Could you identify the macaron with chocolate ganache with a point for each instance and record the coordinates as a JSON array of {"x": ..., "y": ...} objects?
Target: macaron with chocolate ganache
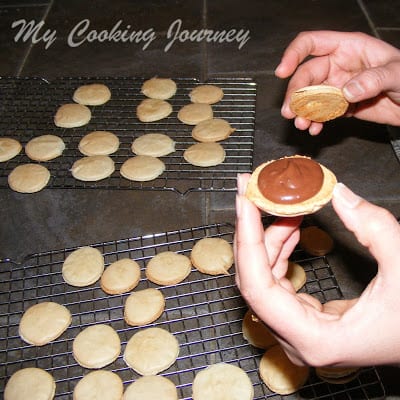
[{"x": 291, "y": 186}]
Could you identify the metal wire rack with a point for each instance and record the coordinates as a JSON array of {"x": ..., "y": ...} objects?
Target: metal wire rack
[
  {"x": 203, "y": 312},
  {"x": 28, "y": 106}
]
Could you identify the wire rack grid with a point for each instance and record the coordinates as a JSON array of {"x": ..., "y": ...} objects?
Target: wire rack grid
[
  {"x": 204, "y": 313},
  {"x": 28, "y": 107}
]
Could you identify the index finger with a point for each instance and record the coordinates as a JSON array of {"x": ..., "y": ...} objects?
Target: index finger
[
  {"x": 275, "y": 305},
  {"x": 309, "y": 43}
]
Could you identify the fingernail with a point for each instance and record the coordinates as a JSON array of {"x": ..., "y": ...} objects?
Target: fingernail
[
  {"x": 241, "y": 187},
  {"x": 238, "y": 205},
  {"x": 346, "y": 196},
  {"x": 278, "y": 70},
  {"x": 353, "y": 90}
]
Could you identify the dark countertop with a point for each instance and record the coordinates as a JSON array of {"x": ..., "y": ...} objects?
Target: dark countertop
[{"x": 359, "y": 153}]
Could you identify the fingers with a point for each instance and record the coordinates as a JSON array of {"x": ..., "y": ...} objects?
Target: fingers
[
  {"x": 314, "y": 128},
  {"x": 371, "y": 82},
  {"x": 314, "y": 43},
  {"x": 280, "y": 240},
  {"x": 373, "y": 226}
]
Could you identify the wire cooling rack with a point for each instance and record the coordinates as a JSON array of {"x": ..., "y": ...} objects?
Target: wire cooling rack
[
  {"x": 28, "y": 106},
  {"x": 203, "y": 312}
]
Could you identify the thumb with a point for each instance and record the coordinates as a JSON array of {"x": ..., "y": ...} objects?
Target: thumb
[
  {"x": 374, "y": 227},
  {"x": 373, "y": 81}
]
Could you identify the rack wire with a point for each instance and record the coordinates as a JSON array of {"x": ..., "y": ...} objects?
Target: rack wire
[
  {"x": 204, "y": 313},
  {"x": 28, "y": 107}
]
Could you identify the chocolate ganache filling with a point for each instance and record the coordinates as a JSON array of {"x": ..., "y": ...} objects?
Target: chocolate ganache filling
[{"x": 290, "y": 180}]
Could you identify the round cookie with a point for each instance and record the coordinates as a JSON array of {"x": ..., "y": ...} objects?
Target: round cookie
[
  {"x": 151, "y": 387},
  {"x": 151, "y": 350},
  {"x": 30, "y": 383},
  {"x": 92, "y": 168},
  {"x": 159, "y": 88},
  {"x": 72, "y": 116},
  {"x": 308, "y": 206},
  {"x": 144, "y": 306},
  {"x": 28, "y": 178},
  {"x": 168, "y": 268},
  {"x": 279, "y": 373},
  {"x": 153, "y": 144},
  {"x": 142, "y": 168},
  {"x": 205, "y": 154},
  {"x": 43, "y": 322},
  {"x": 83, "y": 266},
  {"x": 296, "y": 275},
  {"x": 92, "y": 94},
  {"x": 222, "y": 381},
  {"x": 337, "y": 375},
  {"x": 99, "y": 385},
  {"x": 315, "y": 241},
  {"x": 318, "y": 103},
  {"x": 150, "y": 110},
  {"x": 194, "y": 113},
  {"x": 44, "y": 147},
  {"x": 212, "y": 130},
  {"x": 9, "y": 148},
  {"x": 207, "y": 94},
  {"x": 212, "y": 256},
  {"x": 121, "y": 276},
  {"x": 99, "y": 143},
  {"x": 256, "y": 332},
  {"x": 96, "y": 346}
]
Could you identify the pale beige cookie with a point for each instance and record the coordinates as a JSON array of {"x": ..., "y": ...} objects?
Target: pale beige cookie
[
  {"x": 296, "y": 275},
  {"x": 151, "y": 387},
  {"x": 212, "y": 256},
  {"x": 72, "y": 116},
  {"x": 9, "y": 148},
  {"x": 159, "y": 88},
  {"x": 99, "y": 143},
  {"x": 151, "y": 350},
  {"x": 153, "y": 144},
  {"x": 92, "y": 94},
  {"x": 212, "y": 130},
  {"x": 279, "y": 373},
  {"x": 28, "y": 178},
  {"x": 83, "y": 266},
  {"x": 44, "y": 322},
  {"x": 205, "y": 154},
  {"x": 307, "y": 206},
  {"x": 30, "y": 383},
  {"x": 99, "y": 385},
  {"x": 142, "y": 168},
  {"x": 168, "y": 268},
  {"x": 194, "y": 113},
  {"x": 318, "y": 103},
  {"x": 121, "y": 276},
  {"x": 44, "y": 148},
  {"x": 208, "y": 94},
  {"x": 315, "y": 241},
  {"x": 96, "y": 346},
  {"x": 256, "y": 332},
  {"x": 92, "y": 168},
  {"x": 144, "y": 306},
  {"x": 150, "y": 110},
  {"x": 222, "y": 381},
  {"x": 337, "y": 375}
]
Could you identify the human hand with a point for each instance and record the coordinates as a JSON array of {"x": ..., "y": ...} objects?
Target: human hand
[
  {"x": 365, "y": 68},
  {"x": 357, "y": 332}
]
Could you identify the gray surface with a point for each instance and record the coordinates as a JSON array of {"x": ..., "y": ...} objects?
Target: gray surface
[{"x": 360, "y": 154}]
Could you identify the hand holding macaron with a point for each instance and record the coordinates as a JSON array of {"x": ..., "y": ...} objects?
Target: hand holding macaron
[{"x": 364, "y": 68}]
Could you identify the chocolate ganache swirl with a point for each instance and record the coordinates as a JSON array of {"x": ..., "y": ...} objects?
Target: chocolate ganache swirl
[{"x": 290, "y": 180}]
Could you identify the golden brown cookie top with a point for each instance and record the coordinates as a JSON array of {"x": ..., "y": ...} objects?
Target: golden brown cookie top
[{"x": 318, "y": 103}]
